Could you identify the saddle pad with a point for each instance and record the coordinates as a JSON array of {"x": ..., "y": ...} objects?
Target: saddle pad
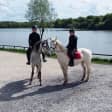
[{"x": 77, "y": 55}]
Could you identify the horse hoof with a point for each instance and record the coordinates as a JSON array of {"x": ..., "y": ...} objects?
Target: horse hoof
[
  {"x": 81, "y": 80},
  {"x": 40, "y": 84},
  {"x": 86, "y": 80},
  {"x": 30, "y": 83},
  {"x": 65, "y": 83}
]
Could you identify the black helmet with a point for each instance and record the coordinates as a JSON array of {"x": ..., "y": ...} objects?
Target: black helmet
[
  {"x": 34, "y": 27},
  {"x": 71, "y": 30}
]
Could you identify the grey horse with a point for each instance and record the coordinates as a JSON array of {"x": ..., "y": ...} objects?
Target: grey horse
[{"x": 35, "y": 61}]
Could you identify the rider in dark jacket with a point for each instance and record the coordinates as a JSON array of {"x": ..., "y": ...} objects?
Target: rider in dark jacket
[
  {"x": 72, "y": 46},
  {"x": 33, "y": 38}
]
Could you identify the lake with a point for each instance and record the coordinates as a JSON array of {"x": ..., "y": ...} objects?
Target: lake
[{"x": 97, "y": 41}]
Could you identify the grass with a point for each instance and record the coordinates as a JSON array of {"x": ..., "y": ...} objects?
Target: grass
[
  {"x": 102, "y": 61},
  {"x": 13, "y": 50},
  {"x": 94, "y": 60}
]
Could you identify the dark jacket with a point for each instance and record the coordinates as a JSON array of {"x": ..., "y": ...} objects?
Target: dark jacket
[
  {"x": 33, "y": 38},
  {"x": 72, "y": 45}
]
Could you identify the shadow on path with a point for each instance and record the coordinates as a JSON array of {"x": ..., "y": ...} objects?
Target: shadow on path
[{"x": 7, "y": 91}]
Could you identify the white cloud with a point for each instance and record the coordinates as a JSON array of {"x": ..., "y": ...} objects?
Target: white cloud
[
  {"x": 14, "y": 10},
  {"x": 76, "y": 8}
]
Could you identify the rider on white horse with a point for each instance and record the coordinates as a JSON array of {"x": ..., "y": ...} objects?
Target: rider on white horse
[{"x": 72, "y": 47}]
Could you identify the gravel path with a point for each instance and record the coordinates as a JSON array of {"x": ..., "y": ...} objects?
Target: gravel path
[{"x": 17, "y": 96}]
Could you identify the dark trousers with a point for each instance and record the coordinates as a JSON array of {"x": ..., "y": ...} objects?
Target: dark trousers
[
  {"x": 71, "y": 56},
  {"x": 43, "y": 56},
  {"x": 28, "y": 54}
]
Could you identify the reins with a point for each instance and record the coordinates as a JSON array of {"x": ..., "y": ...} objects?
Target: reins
[{"x": 61, "y": 49}]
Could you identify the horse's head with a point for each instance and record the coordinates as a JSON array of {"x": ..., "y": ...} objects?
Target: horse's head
[
  {"x": 53, "y": 43},
  {"x": 45, "y": 43},
  {"x": 45, "y": 47},
  {"x": 57, "y": 45}
]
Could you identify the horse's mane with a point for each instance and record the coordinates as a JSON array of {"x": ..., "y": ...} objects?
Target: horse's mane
[
  {"x": 62, "y": 48},
  {"x": 37, "y": 46}
]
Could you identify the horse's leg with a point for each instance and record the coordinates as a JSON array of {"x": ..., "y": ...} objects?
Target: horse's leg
[
  {"x": 39, "y": 74},
  {"x": 32, "y": 73},
  {"x": 84, "y": 71},
  {"x": 37, "y": 71},
  {"x": 64, "y": 69},
  {"x": 88, "y": 71},
  {"x": 39, "y": 77}
]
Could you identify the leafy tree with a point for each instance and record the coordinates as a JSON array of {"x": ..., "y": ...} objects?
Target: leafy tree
[{"x": 41, "y": 11}]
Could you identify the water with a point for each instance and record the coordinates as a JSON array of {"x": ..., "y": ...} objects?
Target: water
[{"x": 97, "y": 41}]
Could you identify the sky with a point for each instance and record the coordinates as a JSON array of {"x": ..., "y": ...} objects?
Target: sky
[{"x": 14, "y": 10}]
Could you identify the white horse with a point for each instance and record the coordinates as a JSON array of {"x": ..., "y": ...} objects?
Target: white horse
[
  {"x": 35, "y": 61},
  {"x": 63, "y": 59}
]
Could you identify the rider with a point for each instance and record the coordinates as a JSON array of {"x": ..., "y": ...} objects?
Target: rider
[
  {"x": 72, "y": 46},
  {"x": 33, "y": 38}
]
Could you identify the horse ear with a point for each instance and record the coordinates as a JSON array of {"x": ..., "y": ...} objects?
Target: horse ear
[{"x": 52, "y": 39}]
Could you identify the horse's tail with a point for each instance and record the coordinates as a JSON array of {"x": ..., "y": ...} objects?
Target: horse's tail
[{"x": 87, "y": 56}]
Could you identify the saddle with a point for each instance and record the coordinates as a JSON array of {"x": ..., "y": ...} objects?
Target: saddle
[{"x": 77, "y": 55}]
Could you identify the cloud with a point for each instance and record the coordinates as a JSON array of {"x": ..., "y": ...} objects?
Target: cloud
[
  {"x": 76, "y": 8},
  {"x": 14, "y": 10},
  {"x": 4, "y": 2}
]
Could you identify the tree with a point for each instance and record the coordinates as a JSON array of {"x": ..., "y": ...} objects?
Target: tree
[{"x": 41, "y": 11}]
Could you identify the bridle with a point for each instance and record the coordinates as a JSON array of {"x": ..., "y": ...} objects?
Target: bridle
[
  {"x": 54, "y": 48},
  {"x": 39, "y": 42}
]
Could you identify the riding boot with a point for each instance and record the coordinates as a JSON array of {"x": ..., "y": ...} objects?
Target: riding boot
[
  {"x": 43, "y": 57},
  {"x": 28, "y": 53},
  {"x": 71, "y": 62}
]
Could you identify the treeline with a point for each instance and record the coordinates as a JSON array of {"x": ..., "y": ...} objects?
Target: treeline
[
  {"x": 88, "y": 23},
  {"x": 12, "y": 24},
  {"x": 83, "y": 23}
]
